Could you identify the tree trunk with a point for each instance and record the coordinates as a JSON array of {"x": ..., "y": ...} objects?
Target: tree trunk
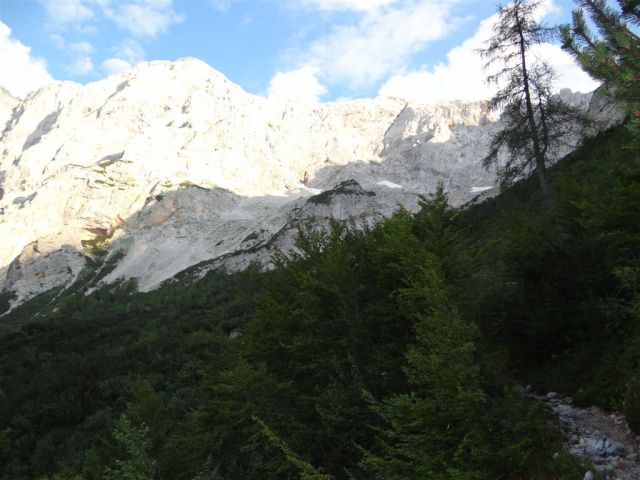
[{"x": 539, "y": 156}]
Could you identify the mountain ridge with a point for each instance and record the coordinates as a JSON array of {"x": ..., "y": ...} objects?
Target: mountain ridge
[{"x": 113, "y": 166}]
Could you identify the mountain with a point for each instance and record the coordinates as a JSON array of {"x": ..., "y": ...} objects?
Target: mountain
[
  {"x": 7, "y": 104},
  {"x": 170, "y": 165}
]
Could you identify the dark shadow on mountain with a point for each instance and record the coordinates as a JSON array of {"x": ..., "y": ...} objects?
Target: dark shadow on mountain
[{"x": 44, "y": 127}]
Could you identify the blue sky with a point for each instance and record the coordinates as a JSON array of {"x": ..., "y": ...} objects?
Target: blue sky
[{"x": 308, "y": 49}]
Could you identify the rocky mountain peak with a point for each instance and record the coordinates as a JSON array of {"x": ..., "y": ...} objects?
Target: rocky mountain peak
[
  {"x": 7, "y": 104},
  {"x": 171, "y": 164}
]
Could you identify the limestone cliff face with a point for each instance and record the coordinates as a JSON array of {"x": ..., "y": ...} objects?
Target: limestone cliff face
[
  {"x": 7, "y": 104},
  {"x": 171, "y": 165}
]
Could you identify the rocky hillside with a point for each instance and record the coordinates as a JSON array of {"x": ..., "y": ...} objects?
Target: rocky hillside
[
  {"x": 7, "y": 104},
  {"x": 170, "y": 165}
]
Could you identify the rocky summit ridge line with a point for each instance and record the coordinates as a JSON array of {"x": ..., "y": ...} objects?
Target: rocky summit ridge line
[{"x": 171, "y": 165}]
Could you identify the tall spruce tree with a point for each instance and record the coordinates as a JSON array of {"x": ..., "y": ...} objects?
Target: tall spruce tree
[
  {"x": 534, "y": 121},
  {"x": 433, "y": 429},
  {"x": 614, "y": 55}
]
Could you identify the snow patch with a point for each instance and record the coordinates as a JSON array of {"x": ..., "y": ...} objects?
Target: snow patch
[
  {"x": 303, "y": 188},
  {"x": 480, "y": 189},
  {"x": 387, "y": 183}
]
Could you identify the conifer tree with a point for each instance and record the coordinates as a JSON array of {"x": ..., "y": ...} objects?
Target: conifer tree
[
  {"x": 612, "y": 57},
  {"x": 534, "y": 121},
  {"x": 135, "y": 443},
  {"x": 434, "y": 431}
]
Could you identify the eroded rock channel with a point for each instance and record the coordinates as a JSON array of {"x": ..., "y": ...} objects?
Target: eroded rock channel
[{"x": 599, "y": 437}]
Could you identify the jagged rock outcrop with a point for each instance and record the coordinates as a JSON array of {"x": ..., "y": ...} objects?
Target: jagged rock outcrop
[
  {"x": 216, "y": 228},
  {"x": 7, "y": 104},
  {"x": 171, "y": 165}
]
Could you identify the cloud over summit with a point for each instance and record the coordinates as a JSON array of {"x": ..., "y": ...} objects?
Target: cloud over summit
[{"x": 20, "y": 72}]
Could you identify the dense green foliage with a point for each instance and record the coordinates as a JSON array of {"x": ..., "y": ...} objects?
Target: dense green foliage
[
  {"x": 66, "y": 378},
  {"x": 560, "y": 291},
  {"x": 611, "y": 56},
  {"x": 370, "y": 352}
]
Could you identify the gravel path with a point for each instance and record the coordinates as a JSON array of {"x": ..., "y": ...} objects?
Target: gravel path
[{"x": 603, "y": 438}]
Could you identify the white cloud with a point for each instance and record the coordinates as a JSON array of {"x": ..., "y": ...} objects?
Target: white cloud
[
  {"x": 115, "y": 65},
  {"x": 131, "y": 51},
  {"x": 220, "y": 5},
  {"x": 140, "y": 18},
  {"x": 301, "y": 84},
  {"x": 126, "y": 56},
  {"x": 569, "y": 75},
  {"x": 62, "y": 12},
  {"x": 323, "y": 5},
  {"x": 547, "y": 8},
  {"x": 80, "y": 52},
  {"x": 360, "y": 5},
  {"x": 58, "y": 40},
  {"x": 144, "y": 18},
  {"x": 81, "y": 48},
  {"x": 462, "y": 76},
  {"x": 380, "y": 42},
  {"x": 82, "y": 65},
  {"x": 20, "y": 73}
]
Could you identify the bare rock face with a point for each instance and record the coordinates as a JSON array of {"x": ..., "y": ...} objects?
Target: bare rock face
[
  {"x": 172, "y": 165},
  {"x": 7, "y": 104}
]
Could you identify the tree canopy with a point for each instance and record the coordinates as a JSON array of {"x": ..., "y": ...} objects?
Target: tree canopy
[
  {"x": 613, "y": 54},
  {"x": 534, "y": 120}
]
